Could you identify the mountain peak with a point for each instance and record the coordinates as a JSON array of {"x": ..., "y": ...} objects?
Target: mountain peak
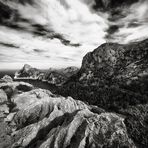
[
  {"x": 27, "y": 72},
  {"x": 27, "y": 67},
  {"x": 113, "y": 61}
]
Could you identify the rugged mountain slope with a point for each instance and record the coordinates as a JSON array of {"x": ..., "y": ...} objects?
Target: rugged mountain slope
[
  {"x": 116, "y": 62},
  {"x": 39, "y": 118},
  {"x": 115, "y": 77}
]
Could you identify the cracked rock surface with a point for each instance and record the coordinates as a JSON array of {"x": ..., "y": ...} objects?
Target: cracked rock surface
[{"x": 36, "y": 118}]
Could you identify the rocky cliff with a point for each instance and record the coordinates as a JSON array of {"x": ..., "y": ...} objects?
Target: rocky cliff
[
  {"x": 28, "y": 72},
  {"x": 37, "y": 118},
  {"x": 116, "y": 62}
]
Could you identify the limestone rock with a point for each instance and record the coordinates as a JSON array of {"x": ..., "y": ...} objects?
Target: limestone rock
[
  {"x": 28, "y": 72},
  {"x": 3, "y": 97},
  {"x": 10, "y": 87},
  {"x": 40, "y": 119},
  {"x": 35, "y": 105},
  {"x": 78, "y": 129}
]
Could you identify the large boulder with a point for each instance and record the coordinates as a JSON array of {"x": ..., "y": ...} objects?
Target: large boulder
[
  {"x": 79, "y": 129},
  {"x": 35, "y": 105}
]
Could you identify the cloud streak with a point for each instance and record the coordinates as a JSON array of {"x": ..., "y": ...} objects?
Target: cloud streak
[
  {"x": 52, "y": 31},
  {"x": 58, "y": 33}
]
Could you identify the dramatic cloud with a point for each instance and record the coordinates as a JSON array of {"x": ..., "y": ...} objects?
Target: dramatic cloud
[
  {"x": 57, "y": 33},
  {"x": 110, "y": 4},
  {"x": 134, "y": 26}
]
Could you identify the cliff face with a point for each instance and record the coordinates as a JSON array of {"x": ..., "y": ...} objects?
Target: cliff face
[
  {"x": 28, "y": 72},
  {"x": 37, "y": 118}
]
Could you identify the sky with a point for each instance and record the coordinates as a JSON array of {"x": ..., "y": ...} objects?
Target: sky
[{"x": 58, "y": 33}]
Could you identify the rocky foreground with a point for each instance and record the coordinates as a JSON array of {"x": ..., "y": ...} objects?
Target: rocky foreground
[{"x": 36, "y": 118}]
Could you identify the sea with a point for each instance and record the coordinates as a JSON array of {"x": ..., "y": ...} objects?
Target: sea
[{"x": 7, "y": 72}]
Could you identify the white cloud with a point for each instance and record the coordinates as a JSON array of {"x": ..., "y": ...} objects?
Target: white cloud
[
  {"x": 72, "y": 18},
  {"x": 52, "y": 51},
  {"x": 137, "y": 14}
]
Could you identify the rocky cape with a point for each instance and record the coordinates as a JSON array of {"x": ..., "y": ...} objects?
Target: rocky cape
[{"x": 52, "y": 76}]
